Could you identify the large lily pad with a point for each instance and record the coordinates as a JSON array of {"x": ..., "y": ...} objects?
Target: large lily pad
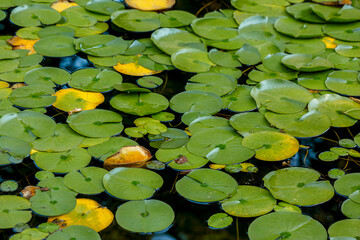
[
  {"x": 346, "y": 82},
  {"x": 192, "y": 60},
  {"x": 47, "y": 76},
  {"x": 14, "y": 210},
  {"x": 56, "y": 46},
  {"x": 145, "y": 216},
  {"x": 347, "y": 13},
  {"x": 306, "y": 62},
  {"x": 347, "y": 184},
  {"x": 217, "y": 83},
  {"x": 298, "y": 186},
  {"x": 343, "y": 31},
  {"x": 215, "y": 28},
  {"x": 136, "y": 20},
  {"x": 132, "y": 183},
  {"x": 101, "y": 45},
  {"x": 250, "y": 122},
  {"x": 13, "y": 150},
  {"x": 345, "y": 228},
  {"x": 297, "y": 29},
  {"x": 75, "y": 232},
  {"x": 33, "y": 96},
  {"x": 206, "y": 185},
  {"x": 33, "y": 15}
]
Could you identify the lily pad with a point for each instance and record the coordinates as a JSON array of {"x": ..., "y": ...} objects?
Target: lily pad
[
  {"x": 350, "y": 209},
  {"x": 306, "y": 62},
  {"x": 191, "y": 60},
  {"x": 13, "y": 150},
  {"x": 132, "y": 183},
  {"x": 347, "y": 143},
  {"x": 297, "y": 29},
  {"x": 347, "y": 13},
  {"x": 14, "y": 210},
  {"x": 32, "y": 15},
  {"x": 47, "y": 76},
  {"x": 106, "y": 7},
  {"x": 345, "y": 228},
  {"x": 56, "y": 31},
  {"x": 9, "y": 186},
  {"x": 328, "y": 156},
  {"x": 347, "y": 184},
  {"x": 77, "y": 16},
  {"x": 313, "y": 80},
  {"x": 343, "y": 31},
  {"x": 270, "y": 8},
  {"x": 271, "y": 146},
  {"x": 215, "y": 28},
  {"x": 345, "y": 82},
  {"x": 286, "y": 225},
  {"x": 217, "y": 83},
  {"x": 207, "y": 122},
  {"x": 303, "y": 12},
  {"x": 206, "y": 185},
  {"x": 101, "y": 45},
  {"x": 219, "y": 221},
  {"x": 136, "y": 20},
  {"x": 75, "y": 232},
  {"x": 249, "y": 201},
  {"x": 170, "y": 139},
  {"x": 248, "y": 54},
  {"x": 33, "y": 96},
  {"x": 146, "y": 216},
  {"x": 336, "y": 173},
  {"x": 298, "y": 186},
  {"x": 149, "y": 82},
  {"x": 246, "y": 123},
  {"x": 176, "y": 18},
  {"x": 56, "y": 46}
]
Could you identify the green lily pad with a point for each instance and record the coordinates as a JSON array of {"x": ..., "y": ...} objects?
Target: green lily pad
[
  {"x": 96, "y": 123},
  {"x": 343, "y": 31},
  {"x": 347, "y": 143},
  {"x": 344, "y": 63},
  {"x": 297, "y": 29},
  {"x": 219, "y": 145},
  {"x": 217, "y": 83},
  {"x": 342, "y": 111},
  {"x": 227, "y": 44},
  {"x": 33, "y": 96},
  {"x": 328, "y": 156},
  {"x": 180, "y": 158},
  {"x": 347, "y": 13},
  {"x": 249, "y": 201},
  {"x": 55, "y": 184},
  {"x": 286, "y": 207},
  {"x": 196, "y": 101},
  {"x": 132, "y": 183},
  {"x": 298, "y": 186},
  {"x": 340, "y": 151},
  {"x": 345, "y": 228},
  {"x": 30, "y": 233},
  {"x": 98, "y": 28},
  {"x": 172, "y": 138},
  {"x": 8, "y": 65},
  {"x": 27, "y": 125},
  {"x": 110, "y": 147},
  {"x": 345, "y": 82},
  {"x": 270, "y": 8},
  {"x": 171, "y": 40},
  {"x": 101, "y": 45},
  {"x": 136, "y": 20},
  {"x": 314, "y": 80},
  {"x": 306, "y": 62},
  {"x": 176, "y": 18},
  {"x": 305, "y": 46},
  {"x": 13, "y": 150},
  {"x": 273, "y": 62},
  {"x": 78, "y": 16},
  {"x": 281, "y": 96},
  {"x": 56, "y": 46},
  {"x": 250, "y": 122},
  {"x": 350, "y": 209},
  {"x": 14, "y": 210},
  {"x": 347, "y": 49},
  {"x": 2, "y": 15},
  {"x": 77, "y": 232},
  {"x": 106, "y": 7},
  {"x": 130, "y": 88},
  {"x": 87, "y": 180},
  {"x": 146, "y": 216},
  {"x": 33, "y": 15},
  {"x": 335, "y": 173},
  {"x": 63, "y": 139},
  {"x": 56, "y": 31},
  {"x": 52, "y": 203},
  {"x": 207, "y": 122},
  {"x": 347, "y": 184},
  {"x": 259, "y": 76},
  {"x": 149, "y": 82},
  {"x": 355, "y": 196},
  {"x": 271, "y": 146},
  {"x": 239, "y": 100},
  {"x": 62, "y": 162},
  {"x": 206, "y": 185},
  {"x": 191, "y": 60},
  {"x": 9, "y": 186},
  {"x": 41, "y": 175},
  {"x": 248, "y": 55},
  {"x": 357, "y": 139},
  {"x": 215, "y": 28},
  {"x": 139, "y": 104},
  {"x": 286, "y": 225},
  {"x": 163, "y": 116},
  {"x": 303, "y": 12},
  {"x": 302, "y": 124},
  {"x": 225, "y": 59},
  {"x": 47, "y": 76}
]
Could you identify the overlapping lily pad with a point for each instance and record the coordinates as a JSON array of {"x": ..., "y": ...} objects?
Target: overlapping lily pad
[
  {"x": 56, "y": 46},
  {"x": 345, "y": 82},
  {"x": 136, "y": 20},
  {"x": 32, "y": 15},
  {"x": 14, "y": 210},
  {"x": 217, "y": 83},
  {"x": 77, "y": 232}
]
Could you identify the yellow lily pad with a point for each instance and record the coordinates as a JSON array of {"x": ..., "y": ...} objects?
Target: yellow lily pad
[
  {"x": 87, "y": 213},
  {"x": 20, "y": 43},
  {"x": 4, "y": 84},
  {"x": 271, "y": 146},
  {"x": 69, "y": 99},
  {"x": 134, "y": 69},
  {"x": 150, "y": 5},
  {"x": 61, "y": 5}
]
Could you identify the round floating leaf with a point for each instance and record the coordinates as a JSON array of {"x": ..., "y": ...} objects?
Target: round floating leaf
[
  {"x": 298, "y": 186},
  {"x": 343, "y": 31},
  {"x": 215, "y": 28},
  {"x": 271, "y": 146},
  {"x": 87, "y": 212},
  {"x": 135, "y": 20},
  {"x": 302, "y": 124},
  {"x": 96, "y": 123},
  {"x": 70, "y": 99},
  {"x": 2, "y": 15},
  {"x": 132, "y": 183},
  {"x": 219, "y": 145},
  {"x": 347, "y": 184},
  {"x": 206, "y": 185},
  {"x": 27, "y": 125},
  {"x": 171, "y": 40},
  {"x": 13, "y": 210},
  {"x": 345, "y": 82},
  {"x": 52, "y": 202},
  {"x": 285, "y": 207},
  {"x": 13, "y": 150},
  {"x": 33, "y": 96},
  {"x": 105, "y": 7},
  {"x": 313, "y": 81},
  {"x": 101, "y": 45},
  {"x": 98, "y": 28},
  {"x": 130, "y": 88},
  {"x": 75, "y": 232},
  {"x": 348, "y": 49},
  {"x": 63, "y": 139},
  {"x": 149, "y": 82},
  {"x": 225, "y": 59},
  {"x": 30, "y": 233},
  {"x": 281, "y": 96},
  {"x": 180, "y": 158},
  {"x": 207, "y": 122},
  {"x": 163, "y": 116},
  {"x": 172, "y": 138},
  {"x": 9, "y": 186},
  {"x": 55, "y": 184},
  {"x": 328, "y": 156},
  {"x": 191, "y": 60},
  {"x": 176, "y": 18},
  {"x": 78, "y": 16},
  {"x": 62, "y": 162},
  {"x": 128, "y": 156},
  {"x": 303, "y": 12},
  {"x": 248, "y": 55},
  {"x": 347, "y": 13},
  {"x": 250, "y": 122},
  {"x": 249, "y": 201},
  {"x": 41, "y": 175},
  {"x": 47, "y": 76},
  {"x": 146, "y": 216},
  {"x": 305, "y": 46},
  {"x": 219, "y": 221},
  {"x": 335, "y": 173},
  {"x": 269, "y": 8},
  {"x": 133, "y": 68},
  {"x": 196, "y": 101},
  {"x": 56, "y": 46},
  {"x": 342, "y": 111},
  {"x": 155, "y": 165},
  {"x": 217, "y": 83},
  {"x": 33, "y": 15},
  {"x": 88, "y": 181},
  {"x": 350, "y": 209},
  {"x": 347, "y": 143},
  {"x": 139, "y": 104},
  {"x": 286, "y": 225},
  {"x": 297, "y": 29},
  {"x": 345, "y": 228},
  {"x": 306, "y": 62},
  {"x": 56, "y": 31}
]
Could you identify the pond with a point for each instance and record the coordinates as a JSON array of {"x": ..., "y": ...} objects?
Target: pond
[{"x": 197, "y": 120}]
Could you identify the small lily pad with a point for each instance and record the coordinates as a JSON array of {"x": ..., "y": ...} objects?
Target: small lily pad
[
  {"x": 149, "y": 82},
  {"x": 306, "y": 62},
  {"x": 217, "y": 83},
  {"x": 347, "y": 143},
  {"x": 13, "y": 150},
  {"x": 9, "y": 186},
  {"x": 101, "y": 45},
  {"x": 336, "y": 173},
  {"x": 328, "y": 156},
  {"x": 215, "y": 28},
  {"x": 219, "y": 221},
  {"x": 350, "y": 209},
  {"x": 172, "y": 138}
]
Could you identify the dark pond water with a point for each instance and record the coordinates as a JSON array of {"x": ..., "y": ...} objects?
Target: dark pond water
[{"x": 190, "y": 222}]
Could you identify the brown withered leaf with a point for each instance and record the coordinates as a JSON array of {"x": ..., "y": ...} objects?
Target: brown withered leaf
[
  {"x": 181, "y": 159},
  {"x": 29, "y": 191}
]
